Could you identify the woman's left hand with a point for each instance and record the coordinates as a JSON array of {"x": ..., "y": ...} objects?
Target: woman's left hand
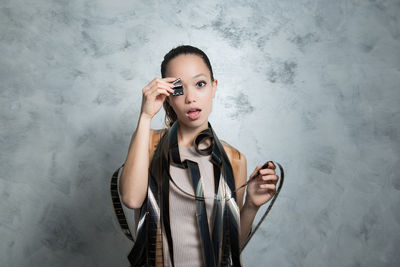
[{"x": 263, "y": 187}]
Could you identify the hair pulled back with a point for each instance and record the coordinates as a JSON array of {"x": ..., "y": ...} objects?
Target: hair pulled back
[{"x": 170, "y": 115}]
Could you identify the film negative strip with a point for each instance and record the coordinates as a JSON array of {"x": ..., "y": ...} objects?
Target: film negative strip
[
  {"x": 118, "y": 209},
  {"x": 178, "y": 89}
]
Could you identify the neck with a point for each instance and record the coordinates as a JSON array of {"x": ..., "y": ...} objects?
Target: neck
[{"x": 186, "y": 135}]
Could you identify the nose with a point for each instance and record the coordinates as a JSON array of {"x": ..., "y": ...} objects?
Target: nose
[{"x": 190, "y": 94}]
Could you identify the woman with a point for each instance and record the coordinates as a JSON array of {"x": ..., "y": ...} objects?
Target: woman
[{"x": 183, "y": 178}]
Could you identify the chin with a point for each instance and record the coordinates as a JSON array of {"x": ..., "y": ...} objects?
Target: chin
[{"x": 194, "y": 123}]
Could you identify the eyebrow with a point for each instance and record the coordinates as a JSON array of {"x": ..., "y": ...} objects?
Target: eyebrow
[{"x": 201, "y": 74}]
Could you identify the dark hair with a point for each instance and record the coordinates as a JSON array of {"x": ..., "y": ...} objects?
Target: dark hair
[{"x": 170, "y": 115}]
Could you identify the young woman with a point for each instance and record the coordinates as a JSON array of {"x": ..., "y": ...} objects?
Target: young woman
[{"x": 184, "y": 179}]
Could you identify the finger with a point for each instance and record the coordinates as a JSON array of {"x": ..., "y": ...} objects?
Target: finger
[
  {"x": 146, "y": 88},
  {"x": 267, "y": 171},
  {"x": 164, "y": 87},
  {"x": 169, "y": 79},
  {"x": 158, "y": 82},
  {"x": 166, "y": 79},
  {"x": 150, "y": 86},
  {"x": 264, "y": 191},
  {"x": 169, "y": 89},
  {"x": 271, "y": 165},
  {"x": 160, "y": 91},
  {"x": 163, "y": 83},
  {"x": 269, "y": 182},
  {"x": 166, "y": 92},
  {"x": 275, "y": 179},
  {"x": 271, "y": 187},
  {"x": 269, "y": 177}
]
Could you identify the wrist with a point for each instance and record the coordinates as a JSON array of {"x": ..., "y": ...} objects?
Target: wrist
[
  {"x": 144, "y": 122},
  {"x": 145, "y": 117},
  {"x": 250, "y": 206}
]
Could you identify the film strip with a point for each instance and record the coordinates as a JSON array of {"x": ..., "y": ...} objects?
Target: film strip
[{"x": 120, "y": 214}]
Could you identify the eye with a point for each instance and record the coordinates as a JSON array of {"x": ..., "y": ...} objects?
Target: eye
[{"x": 201, "y": 83}]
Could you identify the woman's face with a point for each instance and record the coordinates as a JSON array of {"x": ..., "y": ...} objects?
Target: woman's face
[{"x": 198, "y": 90}]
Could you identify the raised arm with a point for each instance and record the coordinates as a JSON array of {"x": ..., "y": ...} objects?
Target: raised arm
[
  {"x": 133, "y": 181},
  {"x": 134, "y": 177}
]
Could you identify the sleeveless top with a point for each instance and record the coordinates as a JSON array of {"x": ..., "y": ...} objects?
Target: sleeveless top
[{"x": 184, "y": 230}]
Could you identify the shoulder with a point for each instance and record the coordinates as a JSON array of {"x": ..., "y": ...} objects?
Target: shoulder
[
  {"x": 155, "y": 136},
  {"x": 239, "y": 168},
  {"x": 233, "y": 153},
  {"x": 238, "y": 161},
  {"x": 158, "y": 131}
]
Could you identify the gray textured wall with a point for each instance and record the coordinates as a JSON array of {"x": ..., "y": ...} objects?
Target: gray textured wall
[{"x": 317, "y": 82}]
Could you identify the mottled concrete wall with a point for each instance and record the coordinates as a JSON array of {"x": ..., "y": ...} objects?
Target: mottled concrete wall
[{"x": 316, "y": 82}]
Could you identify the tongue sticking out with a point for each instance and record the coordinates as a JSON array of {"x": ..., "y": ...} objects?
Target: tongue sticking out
[{"x": 193, "y": 115}]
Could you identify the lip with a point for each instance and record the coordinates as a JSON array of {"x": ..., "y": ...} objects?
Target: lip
[
  {"x": 194, "y": 115},
  {"x": 193, "y": 108}
]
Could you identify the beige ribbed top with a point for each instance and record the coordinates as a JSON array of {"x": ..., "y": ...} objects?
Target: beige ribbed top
[{"x": 183, "y": 222}]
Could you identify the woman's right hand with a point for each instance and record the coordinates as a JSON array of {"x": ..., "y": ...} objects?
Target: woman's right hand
[{"x": 154, "y": 94}]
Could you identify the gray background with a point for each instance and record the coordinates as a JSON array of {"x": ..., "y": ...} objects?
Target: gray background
[{"x": 313, "y": 85}]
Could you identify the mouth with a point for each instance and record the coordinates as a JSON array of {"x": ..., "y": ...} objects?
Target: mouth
[{"x": 193, "y": 113}]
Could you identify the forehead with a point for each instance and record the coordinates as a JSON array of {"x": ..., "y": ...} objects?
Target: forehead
[{"x": 187, "y": 64}]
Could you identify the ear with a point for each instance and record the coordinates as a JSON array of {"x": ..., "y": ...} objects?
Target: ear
[{"x": 214, "y": 87}]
